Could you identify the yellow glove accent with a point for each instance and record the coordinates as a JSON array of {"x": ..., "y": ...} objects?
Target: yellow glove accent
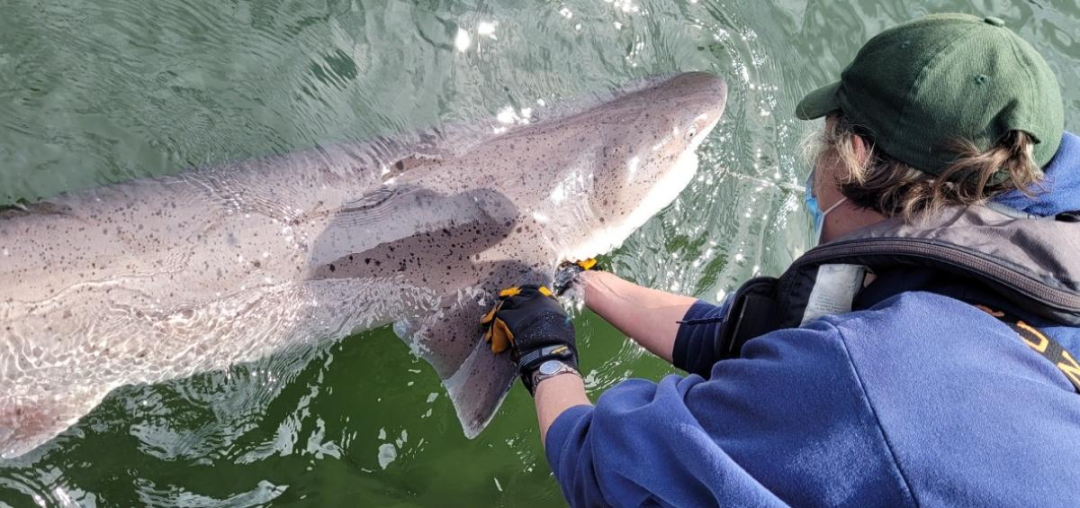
[
  {"x": 498, "y": 334},
  {"x": 499, "y": 337},
  {"x": 490, "y": 315},
  {"x": 508, "y": 292},
  {"x": 587, "y": 264}
]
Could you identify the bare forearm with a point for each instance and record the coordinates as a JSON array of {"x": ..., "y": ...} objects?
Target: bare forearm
[
  {"x": 555, "y": 395},
  {"x": 648, "y": 316}
]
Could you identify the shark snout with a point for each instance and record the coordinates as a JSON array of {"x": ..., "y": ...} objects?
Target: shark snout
[
  {"x": 702, "y": 83},
  {"x": 707, "y": 96}
]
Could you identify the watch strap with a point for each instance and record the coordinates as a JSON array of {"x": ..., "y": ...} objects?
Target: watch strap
[
  {"x": 532, "y": 380},
  {"x": 533, "y": 359}
]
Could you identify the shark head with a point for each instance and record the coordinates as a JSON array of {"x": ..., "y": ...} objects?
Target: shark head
[{"x": 644, "y": 157}]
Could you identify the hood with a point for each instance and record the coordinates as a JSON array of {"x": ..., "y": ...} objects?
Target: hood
[{"x": 1059, "y": 192}]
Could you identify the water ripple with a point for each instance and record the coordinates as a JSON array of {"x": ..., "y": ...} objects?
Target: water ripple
[{"x": 99, "y": 91}]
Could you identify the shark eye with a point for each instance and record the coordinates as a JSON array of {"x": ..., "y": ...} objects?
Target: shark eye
[{"x": 691, "y": 132}]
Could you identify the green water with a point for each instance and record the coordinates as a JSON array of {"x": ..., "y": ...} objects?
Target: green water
[{"x": 100, "y": 91}]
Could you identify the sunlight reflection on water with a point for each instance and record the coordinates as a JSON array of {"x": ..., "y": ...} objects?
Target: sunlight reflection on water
[{"x": 98, "y": 92}]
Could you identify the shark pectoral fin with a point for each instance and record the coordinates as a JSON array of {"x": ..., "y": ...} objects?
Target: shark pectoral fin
[
  {"x": 478, "y": 388},
  {"x": 479, "y": 384},
  {"x": 450, "y": 340}
]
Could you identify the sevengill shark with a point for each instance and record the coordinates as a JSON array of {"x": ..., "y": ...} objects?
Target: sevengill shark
[{"x": 164, "y": 278}]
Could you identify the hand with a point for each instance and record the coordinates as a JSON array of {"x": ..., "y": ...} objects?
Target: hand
[
  {"x": 568, "y": 271},
  {"x": 529, "y": 321}
]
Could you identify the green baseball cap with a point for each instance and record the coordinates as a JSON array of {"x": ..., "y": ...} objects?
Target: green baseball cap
[{"x": 920, "y": 86}]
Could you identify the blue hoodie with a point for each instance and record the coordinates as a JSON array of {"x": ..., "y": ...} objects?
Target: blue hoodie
[{"x": 913, "y": 399}]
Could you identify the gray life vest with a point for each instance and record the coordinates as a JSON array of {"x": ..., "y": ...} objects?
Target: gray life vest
[{"x": 1031, "y": 262}]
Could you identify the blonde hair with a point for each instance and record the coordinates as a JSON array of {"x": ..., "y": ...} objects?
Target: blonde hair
[{"x": 894, "y": 189}]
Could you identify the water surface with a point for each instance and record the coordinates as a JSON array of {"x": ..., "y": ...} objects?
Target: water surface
[{"x": 101, "y": 91}]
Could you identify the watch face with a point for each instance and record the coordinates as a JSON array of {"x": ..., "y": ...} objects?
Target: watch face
[{"x": 550, "y": 367}]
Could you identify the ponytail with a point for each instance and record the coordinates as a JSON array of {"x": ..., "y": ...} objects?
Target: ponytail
[
  {"x": 971, "y": 178},
  {"x": 894, "y": 189}
]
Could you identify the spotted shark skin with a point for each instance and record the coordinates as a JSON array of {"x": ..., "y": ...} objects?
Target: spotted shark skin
[{"x": 164, "y": 278}]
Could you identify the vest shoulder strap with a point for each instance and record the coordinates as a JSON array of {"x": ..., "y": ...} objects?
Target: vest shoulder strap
[
  {"x": 1043, "y": 344},
  {"x": 1028, "y": 261}
]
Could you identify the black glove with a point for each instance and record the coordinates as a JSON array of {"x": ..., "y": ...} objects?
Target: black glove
[
  {"x": 567, "y": 273},
  {"x": 529, "y": 321}
]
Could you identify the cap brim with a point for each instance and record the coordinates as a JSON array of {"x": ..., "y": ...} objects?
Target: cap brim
[{"x": 819, "y": 103}]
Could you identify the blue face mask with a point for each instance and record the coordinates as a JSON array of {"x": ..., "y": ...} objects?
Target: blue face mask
[{"x": 815, "y": 210}]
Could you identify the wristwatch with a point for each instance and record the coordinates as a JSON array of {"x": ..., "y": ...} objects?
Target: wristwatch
[{"x": 550, "y": 369}]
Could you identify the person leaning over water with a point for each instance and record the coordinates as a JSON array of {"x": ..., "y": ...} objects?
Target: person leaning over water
[{"x": 920, "y": 356}]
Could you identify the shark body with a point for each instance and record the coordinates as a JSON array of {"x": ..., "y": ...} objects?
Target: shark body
[{"x": 163, "y": 278}]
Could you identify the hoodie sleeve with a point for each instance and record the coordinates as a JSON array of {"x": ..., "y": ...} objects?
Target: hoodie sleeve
[
  {"x": 639, "y": 447},
  {"x": 758, "y": 432},
  {"x": 695, "y": 342}
]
